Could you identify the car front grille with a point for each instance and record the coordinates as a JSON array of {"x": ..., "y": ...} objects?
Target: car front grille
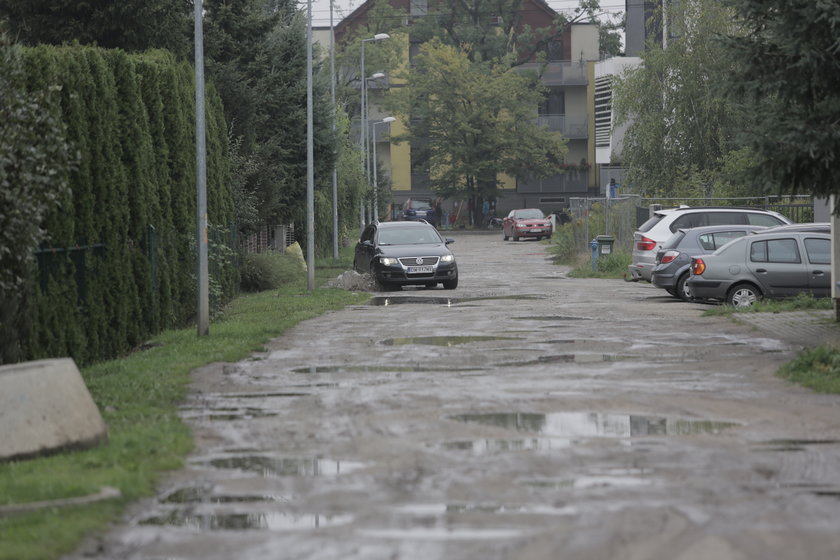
[{"x": 419, "y": 261}]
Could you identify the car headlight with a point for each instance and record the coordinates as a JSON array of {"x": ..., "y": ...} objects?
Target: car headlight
[
  {"x": 388, "y": 261},
  {"x": 447, "y": 258}
]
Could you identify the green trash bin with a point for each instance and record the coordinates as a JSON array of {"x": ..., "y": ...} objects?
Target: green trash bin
[{"x": 605, "y": 244}]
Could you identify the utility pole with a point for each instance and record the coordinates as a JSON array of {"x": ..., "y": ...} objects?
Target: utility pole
[{"x": 201, "y": 177}]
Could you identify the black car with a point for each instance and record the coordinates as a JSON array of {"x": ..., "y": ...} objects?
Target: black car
[
  {"x": 419, "y": 209},
  {"x": 405, "y": 253}
]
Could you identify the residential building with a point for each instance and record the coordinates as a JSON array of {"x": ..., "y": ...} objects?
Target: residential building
[{"x": 568, "y": 108}]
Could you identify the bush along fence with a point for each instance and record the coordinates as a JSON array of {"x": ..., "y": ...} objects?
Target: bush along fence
[{"x": 119, "y": 259}]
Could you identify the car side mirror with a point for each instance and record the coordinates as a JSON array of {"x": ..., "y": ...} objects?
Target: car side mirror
[
  {"x": 449, "y": 240},
  {"x": 367, "y": 243}
]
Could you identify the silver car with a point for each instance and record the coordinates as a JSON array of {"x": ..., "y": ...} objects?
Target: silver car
[
  {"x": 650, "y": 236},
  {"x": 764, "y": 265},
  {"x": 674, "y": 259}
]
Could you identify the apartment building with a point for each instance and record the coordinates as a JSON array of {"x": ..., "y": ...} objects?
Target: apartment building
[{"x": 568, "y": 108}]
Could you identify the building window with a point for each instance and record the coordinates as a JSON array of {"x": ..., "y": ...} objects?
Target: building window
[
  {"x": 419, "y": 7},
  {"x": 555, "y": 102}
]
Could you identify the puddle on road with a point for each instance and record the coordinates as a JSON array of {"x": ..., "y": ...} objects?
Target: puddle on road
[
  {"x": 482, "y": 446},
  {"x": 264, "y": 395},
  {"x": 552, "y": 318},
  {"x": 578, "y": 358},
  {"x": 225, "y": 413},
  {"x": 784, "y": 445},
  {"x": 204, "y": 494},
  {"x": 442, "y": 340},
  {"x": 377, "y": 369},
  {"x": 442, "y": 509},
  {"x": 382, "y": 301},
  {"x": 443, "y": 534},
  {"x": 273, "y": 467},
  {"x": 588, "y": 482},
  {"x": 246, "y": 521},
  {"x": 595, "y": 424}
]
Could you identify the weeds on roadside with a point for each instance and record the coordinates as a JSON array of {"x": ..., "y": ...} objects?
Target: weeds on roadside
[
  {"x": 816, "y": 368},
  {"x": 802, "y": 302}
]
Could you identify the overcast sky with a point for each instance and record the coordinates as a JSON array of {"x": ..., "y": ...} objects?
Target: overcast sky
[{"x": 341, "y": 8}]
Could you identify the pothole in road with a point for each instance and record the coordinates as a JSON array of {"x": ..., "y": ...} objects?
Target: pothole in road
[
  {"x": 204, "y": 494},
  {"x": 375, "y": 369},
  {"x": 595, "y": 424},
  {"x": 783, "y": 445},
  {"x": 225, "y": 413},
  {"x": 441, "y": 300},
  {"x": 273, "y": 467},
  {"x": 246, "y": 521},
  {"x": 577, "y": 358},
  {"x": 442, "y": 340}
]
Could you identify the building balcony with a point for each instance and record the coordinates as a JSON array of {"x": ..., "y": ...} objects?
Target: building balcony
[
  {"x": 571, "y": 127},
  {"x": 559, "y": 73}
]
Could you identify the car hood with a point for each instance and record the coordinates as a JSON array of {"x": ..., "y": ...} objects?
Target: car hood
[{"x": 424, "y": 250}]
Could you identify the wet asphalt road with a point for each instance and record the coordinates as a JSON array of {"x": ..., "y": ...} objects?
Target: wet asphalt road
[{"x": 524, "y": 415}]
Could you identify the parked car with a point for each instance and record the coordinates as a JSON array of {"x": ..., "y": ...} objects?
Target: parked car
[
  {"x": 764, "y": 265},
  {"x": 673, "y": 260},
  {"x": 650, "y": 236},
  {"x": 404, "y": 253},
  {"x": 418, "y": 209},
  {"x": 816, "y": 227},
  {"x": 526, "y": 222}
]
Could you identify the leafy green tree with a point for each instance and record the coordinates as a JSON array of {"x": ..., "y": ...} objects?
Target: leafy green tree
[
  {"x": 682, "y": 130},
  {"x": 480, "y": 122},
  {"x": 35, "y": 160},
  {"x": 788, "y": 70},
  {"x": 133, "y": 25}
]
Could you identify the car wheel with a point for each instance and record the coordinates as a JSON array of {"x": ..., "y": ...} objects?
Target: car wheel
[
  {"x": 683, "y": 291},
  {"x": 672, "y": 291},
  {"x": 743, "y": 295},
  {"x": 451, "y": 284}
]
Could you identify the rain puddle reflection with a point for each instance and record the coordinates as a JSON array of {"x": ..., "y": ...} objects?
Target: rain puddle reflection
[
  {"x": 443, "y": 534},
  {"x": 782, "y": 445},
  {"x": 577, "y": 358},
  {"x": 439, "y": 510},
  {"x": 225, "y": 414},
  {"x": 442, "y": 340},
  {"x": 587, "y": 482},
  {"x": 272, "y": 467},
  {"x": 595, "y": 424},
  {"x": 246, "y": 521},
  {"x": 377, "y": 369},
  {"x": 440, "y": 300},
  {"x": 203, "y": 494},
  {"x": 481, "y": 446}
]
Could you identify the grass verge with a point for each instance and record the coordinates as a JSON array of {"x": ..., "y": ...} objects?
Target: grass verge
[
  {"x": 138, "y": 397},
  {"x": 816, "y": 368}
]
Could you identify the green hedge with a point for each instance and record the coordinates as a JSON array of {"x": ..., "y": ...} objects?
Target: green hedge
[{"x": 119, "y": 264}]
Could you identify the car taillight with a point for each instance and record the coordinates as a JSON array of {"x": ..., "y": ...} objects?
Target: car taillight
[
  {"x": 698, "y": 267},
  {"x": 645, "y": 244},
  {"x": 669, "y": 256}
]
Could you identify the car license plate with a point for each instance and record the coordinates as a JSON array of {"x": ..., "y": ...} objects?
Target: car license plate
[
  {"x": 420, "y": 269},
  {"x": 536, "y": 231}
]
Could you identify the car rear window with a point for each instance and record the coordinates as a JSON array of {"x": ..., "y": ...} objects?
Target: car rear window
[
  {"x": 819, "y": 250},
  {"x": 652, "y": 221},
  {"x": 713, "y": 241},
  {"x": 765, "y": 220}
]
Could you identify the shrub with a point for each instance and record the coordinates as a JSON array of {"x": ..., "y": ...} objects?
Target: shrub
[{"x": 270, "y": 270}]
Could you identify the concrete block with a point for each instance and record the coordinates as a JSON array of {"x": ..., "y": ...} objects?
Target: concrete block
[{"x": 45, "y": 407}]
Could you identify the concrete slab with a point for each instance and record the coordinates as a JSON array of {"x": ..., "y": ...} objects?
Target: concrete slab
[{"x": 45, "y": 407}]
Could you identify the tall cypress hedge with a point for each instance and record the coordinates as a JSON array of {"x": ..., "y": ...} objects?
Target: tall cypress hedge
[{"x": 120, "y": 261}]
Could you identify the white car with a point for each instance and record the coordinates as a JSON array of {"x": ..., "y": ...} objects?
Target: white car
[{"x": 652, "y": 234}]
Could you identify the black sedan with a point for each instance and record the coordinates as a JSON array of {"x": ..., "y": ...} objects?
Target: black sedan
[{"x": 398, "y": 254}]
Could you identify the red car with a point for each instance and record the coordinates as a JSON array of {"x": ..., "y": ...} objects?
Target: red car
[{"x": 526, "y": 222}]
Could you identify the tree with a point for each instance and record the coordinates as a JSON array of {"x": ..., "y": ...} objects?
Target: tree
[
  {"x": 682, "y": 130},
  {"x": 788, "y": 70},
  {"x": 35, "y": 160},
  {"x": 479, "y": 119},
  {"x": 133, "y": 25}
]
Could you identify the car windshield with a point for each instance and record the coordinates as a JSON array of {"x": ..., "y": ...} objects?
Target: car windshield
[
  {"x": 408, "y": 236},
  {"x": 528, "y": 214}
]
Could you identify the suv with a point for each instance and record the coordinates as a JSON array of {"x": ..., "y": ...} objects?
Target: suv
[
  {"x": 650, "y": 236},
  {"x": 418, "y": 209}
]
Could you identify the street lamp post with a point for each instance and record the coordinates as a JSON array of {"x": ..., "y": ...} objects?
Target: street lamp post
[
  {"x": 373, "y": 77},
  {"x": 363, "y": 111},
  {"x": 386, "y": 120}
]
